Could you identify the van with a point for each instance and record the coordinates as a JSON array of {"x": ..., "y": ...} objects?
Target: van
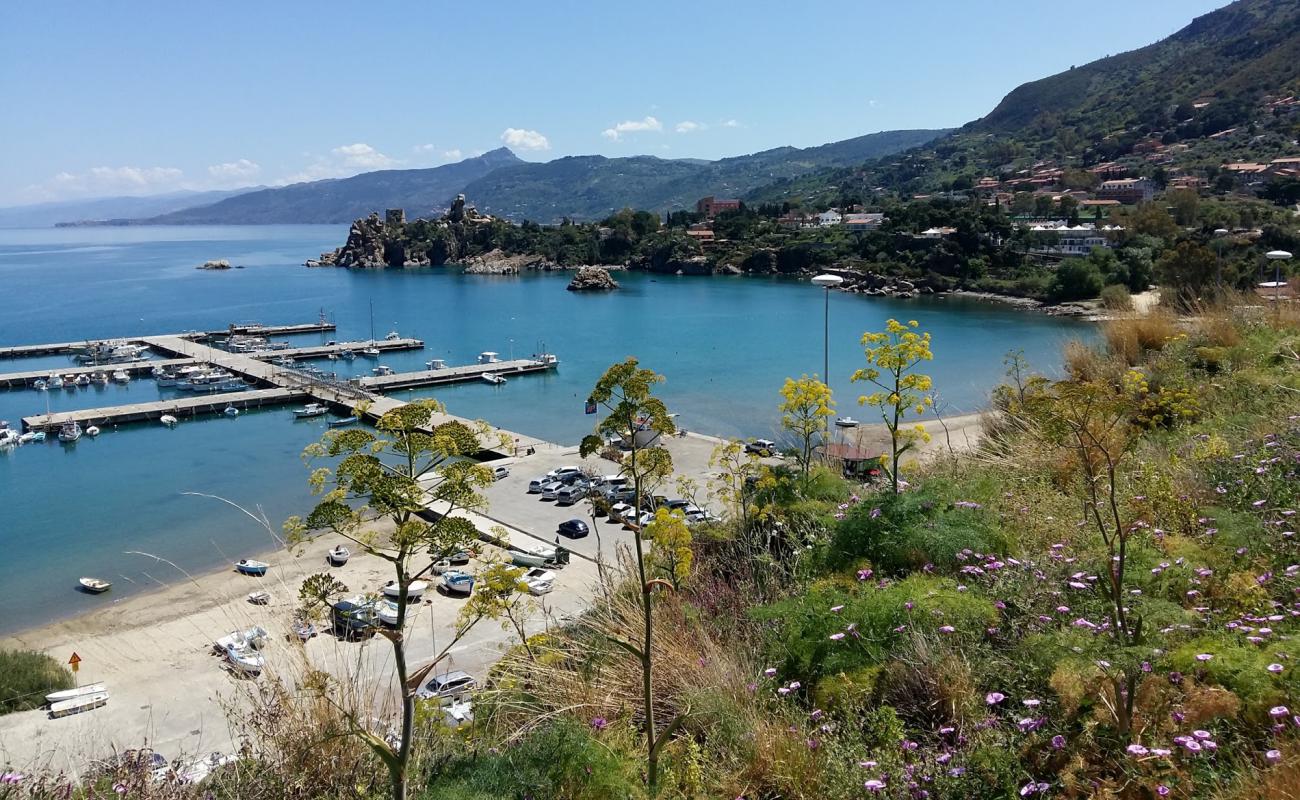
[{"x": 353, "y": 619}]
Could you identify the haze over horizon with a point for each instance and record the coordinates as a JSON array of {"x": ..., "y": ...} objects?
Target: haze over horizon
[{"x": 224, "y": 103}]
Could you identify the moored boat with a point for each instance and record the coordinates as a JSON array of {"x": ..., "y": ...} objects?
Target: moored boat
[
  {"x": 76, "y": 705},
  {"x": 95, "y": 585},
  {"x": 344, "y": 421},
  {"x": 80, "y": 691},
  {"x": 121, "y": 376},
  {"x": 40, "y": 385},
  {"x": 100, "y": 378},
  {"x": 69, "y": 432},
  {"x": 492, "y": 378},
  {"x": 457, "y": 581},
  {"x": 311, "y": 410},
  {"x": 31, "y": 436},
  {"x": 382, "y": 369},
  {"x": 414, "y": 591},
  {"x": 339, "y": 555},
  {"x": 168, "y": 420},
  {"x": 846, "y": 422},
  {"x": 231, "y": 411},
  {"x": 92, "y": 431}
]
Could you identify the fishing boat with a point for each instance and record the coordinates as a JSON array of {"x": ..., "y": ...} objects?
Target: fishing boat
[
  {"x": 76, "y": 705},
  {"x": 303, "y": 628},
  {"x": 344, "y": 421},
  {"x": 339, "y": 555},
  {"x": 311, "y": 410},
  {"x": 168, "y": 420},
  {"x": 95, "y": 585},
  {"x": 457, "y": 582},
  {"x": 241, "y": 650},
  {"x": 530, "y": 558},
  {"x": 382, "y": 370},
  {"x": 92, "y": 431},
  {"x": 492, "y": 378},
  {"x": 82, "y": 380},
  {"x": 392, "y": 336},
  {"x": 347, "y": 355},
  {"x": 54, "y": 381},
  {"x": 413, "y": 592},
  {"x": 231, "y": 411},
  {"x": 40, "y": 385},
  {"x": 80, "y": 691},
  {"x": 120, "y": 376},
  {"x": 31, "y": 436},
  {"x": 70, "y": 382},
  {"x": 371, "y": 351},
  {"x": 387, "y": 613},
  {"x": 99, "y": 377},
  {"x": 69, "y": 431},
  {"x": 846, "y": 422},
  {"x": 259, "y": 598},
  {"x": 8, "y": 436},
  {"x": 248, "y": 566}
]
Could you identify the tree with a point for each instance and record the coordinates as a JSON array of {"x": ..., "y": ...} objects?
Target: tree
[
  {"x": 1076, "y": 279},
  {"x": 1185, "y": 203},
  {"x": 639, "y": 418},
  {"x": 806, "y": 405},
  {"x": 316, "y": 590},
  {"x": 671, "y": 536},
  {"x": 892, "y": 358},
  {"x": 397, "y": 472},
  {"x": 1188, "y": 270}
]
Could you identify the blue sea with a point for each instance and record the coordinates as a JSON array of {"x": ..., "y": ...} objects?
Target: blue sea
[{"x": 725, "y": 345}]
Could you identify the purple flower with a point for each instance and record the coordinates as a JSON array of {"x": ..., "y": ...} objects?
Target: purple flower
[
  {"x": 835, "y": 637},
  {"x": 864, "y": 574},
  {"x": 874, "y": 785},
  {"x": 1204, "y": 656},
  {"x": 1058, "y": 742},
  {"x": 770, "y": 672},
  {"x": 875, "y": 512},
  {"x": 993, "y": 698},
  {"x": 1274, "y": 668},
  {"x": 1273, "y": 756},
  {"x": 1137, "y": 750},
  {"x": 947, "y": 629},
  {"x": 1162, "y": 790},
  {"x": 836, "y": 609},
  {"x": 1278, "y": 711},
  {"x": 600, "y": 723},
  {"x": 1202, "y": 735}
]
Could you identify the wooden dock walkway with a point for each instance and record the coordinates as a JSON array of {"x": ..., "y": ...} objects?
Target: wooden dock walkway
[
  {"x": 439, "y": 377},
  {"x": 179, "y": 407},
  {"x": 11, "y": 380}
]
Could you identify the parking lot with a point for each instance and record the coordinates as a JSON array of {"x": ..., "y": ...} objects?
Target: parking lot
[{"x": 510, "y": 503}]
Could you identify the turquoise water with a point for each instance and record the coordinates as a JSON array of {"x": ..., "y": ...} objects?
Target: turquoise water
[{"x": 725, "y": 345}]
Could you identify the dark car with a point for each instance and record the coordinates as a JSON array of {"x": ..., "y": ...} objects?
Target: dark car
[
  {"x": 574, "y": 528},
  {"x": 353, "y": 619}
]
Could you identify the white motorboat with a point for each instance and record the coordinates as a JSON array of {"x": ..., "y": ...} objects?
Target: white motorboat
[
  {"x": 241, "y": 650},
  {"x": 492, "y": 378},
  {"x": 371, "y": 351},
  {"x": 69, "y": 382},
  {"x": 382, "y": 370},
  {"x": 80, "y": 691},
  {"x": 284, "y": 361},
  {"x": 532, "y": 558},
  {"x": 198, "y": 771},
  {"x": 347, "y": 355},
  {"x": 70, "y": 431},
  {"x": 100, "y": 378},
  {"x": 540, "y": 581},
  {"x": 413, "y": 592},
  {"x": 392, "y": 336},
  {"x": 847, "y": 422},
  {"x": 343, "y": 422},
  {"x": 54, "y": 381},
  {"x": 82, "y": 380},
  {"x": 31, "y": 436},
  {"x": 231, "y": 411},
  {"x": 311, "y": 410},
  {"x": 339, "y": 555},
  {"x": 95, "y": 585},
  {"x": 248, "y": 566},
  {"x": 76, "y": 705},
  {"x": 387, "y": 612},
  {"x": 40, "y": 385},
  {"x": 120, "y": 376},
  {"x": 92, "y": 431},
  {"x": 168, "y": 420},
  {"x": 8, "y": 436}
]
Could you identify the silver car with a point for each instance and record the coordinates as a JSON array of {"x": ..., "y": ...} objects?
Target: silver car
[
  {"x": 448, "y": 687},
  {"x": 551, "y": 490}
]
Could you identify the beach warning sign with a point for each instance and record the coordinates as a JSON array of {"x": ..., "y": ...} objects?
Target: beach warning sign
[{"x": 75, "y": 661}]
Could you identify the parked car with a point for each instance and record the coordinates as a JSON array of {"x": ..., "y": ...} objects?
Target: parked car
[
  {"x": 570, "y": 495},
  {"x": 448, "y": 687},
  {"x": 764, "y": 447},
  {"x": 354, "y": 619},
  {"x": 699, "y": 516},
  {"x": 677, "y": 504},
  {"x": 562, "y": 472},
  {"x": 500, "y": 472},
  {"x": 640, "y": 521},
  {"x": 618, "y": 511},
  {"x": 536, "y": 484},
  {"x": 574, "y": 528},
  {"x": 551, "y": 491}
]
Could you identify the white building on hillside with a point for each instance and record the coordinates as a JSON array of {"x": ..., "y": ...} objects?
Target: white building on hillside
[
  {"x": 1063, "y": 239},
  {"x": 829, "y": 217}
]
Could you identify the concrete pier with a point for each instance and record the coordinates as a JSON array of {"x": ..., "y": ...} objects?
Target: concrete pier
[
  {"x": 447, "y": 375},
  {"x": 249, "y": 329},
  {"x": 10, "y": 380},
  {"x": 180, "y": 407}
]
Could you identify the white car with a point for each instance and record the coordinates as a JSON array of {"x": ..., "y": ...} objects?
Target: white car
[
  {"x": 619, "y": 511},
  {"x": 536, "y": 484},
  {"x": 448, "y": 687},
  {"x": 642, "y": 520},
  {"x": 500, "y": 472},
  {"x": 559, "y": 473},
  {"x": 551, "y": 491}
]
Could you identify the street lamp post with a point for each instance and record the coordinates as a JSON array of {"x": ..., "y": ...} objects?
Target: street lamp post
[
  {"x": 827, "y": 282},
  {"x": 1277, "y": 257}
]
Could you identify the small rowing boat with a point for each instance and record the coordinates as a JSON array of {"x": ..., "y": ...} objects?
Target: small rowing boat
[
  {"x": 344, "y": 422},
  {"x": 66, "y": 708},
  {"x": 95, "y": 585},
  {"x": 248, "y": 566},
  {"x": 80, "y": 691}
]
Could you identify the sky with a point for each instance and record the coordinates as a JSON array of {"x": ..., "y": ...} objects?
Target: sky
[{"x": 133, "y": 98}]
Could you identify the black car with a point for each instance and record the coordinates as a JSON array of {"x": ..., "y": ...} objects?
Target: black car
[
  {"x": 353, "y": 620},
  {"x": 574, "y": 528}
]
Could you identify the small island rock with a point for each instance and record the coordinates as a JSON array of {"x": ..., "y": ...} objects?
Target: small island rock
[
  {"x": 220, "y": 264},
  {"x": 592, "y": 279}
]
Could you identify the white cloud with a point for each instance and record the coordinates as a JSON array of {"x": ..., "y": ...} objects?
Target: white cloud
[
  {"x": 731, "y": 123},
  {"x": 106, "y": 181},
  {"x": 361, "y": 155},
  {"x": 452, "y": 155},
  {"x": 632, "y": 126},
  {"x": 423, "y": 148},
  {"x": 522, "y": 139},
  {"x": 687, "y": 126},
  {"x": 234, "y": 172}
]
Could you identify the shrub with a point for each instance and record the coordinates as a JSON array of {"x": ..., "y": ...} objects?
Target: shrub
[
  {"x": 1132, "y": 338},
  {"x": 1117, "y": 298},
  {"x": 1076, "y": 279},
  {"x": 26, "y": 676}
]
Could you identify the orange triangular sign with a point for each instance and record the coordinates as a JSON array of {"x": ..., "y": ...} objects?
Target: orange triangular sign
[{"x": 75, "y": 660}]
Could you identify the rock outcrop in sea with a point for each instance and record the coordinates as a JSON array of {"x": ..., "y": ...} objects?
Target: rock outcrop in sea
[
  {"x": 592, "y": 279},
  {"x": 216, "y": 265}
]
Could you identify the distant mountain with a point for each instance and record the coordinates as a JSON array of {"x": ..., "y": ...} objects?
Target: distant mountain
[
  {"x": 589, "y": 187},
  {"x": 103, "y": 209},
  {"x": 1210, "y": 79},
  {"x": 419, "y": 191},
  {"x": 579, "y": 187}
]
